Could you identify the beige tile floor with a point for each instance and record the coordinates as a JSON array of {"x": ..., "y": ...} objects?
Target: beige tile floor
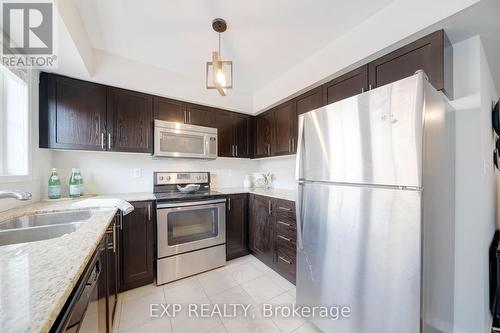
[{"x": 244, "y": 280}]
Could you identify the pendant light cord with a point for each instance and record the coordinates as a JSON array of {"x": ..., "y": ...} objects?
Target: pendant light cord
[{"x": 219, "y": 46}]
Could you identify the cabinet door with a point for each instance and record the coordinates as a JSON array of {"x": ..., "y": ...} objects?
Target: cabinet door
[
  {"x": 263, "y": 134},
  {"x": 130, "y": 121},
  {"x": 283, "y": 128},
  {"x": 201, "y": 115},
  {"x": 137, "y": 246},
  {"x": 260, "y": 228},
  {"x": 225, "y": 134},
  {"x": 241, "y": 140},
  {"x": 432, "y": 54},
  {"x": 350, "y": 84},
  {"x": 309, "y": 101},
  {"x": 112, "y": 269},
  {"x": 237, "y": 226},
  {"x": 72, "y": 113},
  {"x": 169, "y": 110}
]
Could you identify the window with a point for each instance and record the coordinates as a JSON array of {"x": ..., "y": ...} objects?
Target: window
[{"x": 14, "y": 124}]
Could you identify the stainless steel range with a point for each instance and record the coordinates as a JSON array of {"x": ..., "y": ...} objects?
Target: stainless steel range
[{"x": 191, "y": 230}]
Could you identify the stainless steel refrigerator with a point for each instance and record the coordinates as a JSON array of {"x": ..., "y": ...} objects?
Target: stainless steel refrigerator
[{"x": 375, "y": 210}]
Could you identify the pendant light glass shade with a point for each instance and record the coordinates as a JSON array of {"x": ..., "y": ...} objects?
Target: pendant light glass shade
[{"x": 219, "y": 74}]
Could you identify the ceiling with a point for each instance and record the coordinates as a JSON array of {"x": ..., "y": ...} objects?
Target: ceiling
[{"x": 264, "y": 38}]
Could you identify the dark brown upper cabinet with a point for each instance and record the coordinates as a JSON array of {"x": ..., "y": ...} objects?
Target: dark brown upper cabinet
[
  {"x": 237, "y": 226},
  {"x": 433, "y": 54},
  {"x": 169, "y": 109},
  {"x": 201, "y": 115},
  {"x": 350, "y": 84},
  {"x": 72, "y": 113},
  {"x": 232, "y": 134},
  {"x": 284, "y": 129},
  {"x": 242, "y": 135},
  {"x": 309, "y": 101},
  {"x": 263, "y": 134},
  {"x": 136, "y": 246},
  {"x": 129, "y": 121},
  {"x": 180, "y": 112},
  {"x": 225, "y": 134}
]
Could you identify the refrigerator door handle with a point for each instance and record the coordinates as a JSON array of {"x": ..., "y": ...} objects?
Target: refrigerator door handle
[
  {"x": 298, "y": 210},
  {"x": 300, "y": 142}
]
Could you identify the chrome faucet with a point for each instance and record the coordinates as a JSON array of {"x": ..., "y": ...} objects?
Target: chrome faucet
[{"x": 19, "y": 195}]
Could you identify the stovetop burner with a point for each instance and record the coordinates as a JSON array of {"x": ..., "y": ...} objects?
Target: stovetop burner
[{"x": 165, "y": 186}]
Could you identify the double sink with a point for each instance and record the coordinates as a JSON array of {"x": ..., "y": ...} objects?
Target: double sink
[{"x": 36, "y": 227}]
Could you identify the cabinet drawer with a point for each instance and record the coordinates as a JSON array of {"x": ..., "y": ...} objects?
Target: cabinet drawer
[
  {"x": 285, "y": 207},
  {"x": 286, "y": 261},
  {"x": 286, "y": 240},
  {"x": 286, "y": 227}
]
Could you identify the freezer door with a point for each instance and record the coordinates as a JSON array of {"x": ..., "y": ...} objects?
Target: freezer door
[
  {"x": 360, "y": 247},
  {"x": 372, "y": 138}
]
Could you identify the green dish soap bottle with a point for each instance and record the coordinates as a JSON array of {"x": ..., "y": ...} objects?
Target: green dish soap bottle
[
  {"x": 54, "y": 187},
  {"x": 74, "y": 186}
]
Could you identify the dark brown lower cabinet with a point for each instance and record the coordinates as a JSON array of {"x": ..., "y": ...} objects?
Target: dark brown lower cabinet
[
  {"x": 261, "y": 228},
  {"x": 136, "y": 243},
  {"x": 237, "y": 226},
  {"x": 273, "y": 233}
]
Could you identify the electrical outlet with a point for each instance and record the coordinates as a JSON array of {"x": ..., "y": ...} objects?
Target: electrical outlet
[{"x": 137, "y": 173}]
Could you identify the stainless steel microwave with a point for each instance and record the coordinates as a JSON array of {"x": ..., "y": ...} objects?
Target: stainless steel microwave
[{"x": 184, "y": 141}]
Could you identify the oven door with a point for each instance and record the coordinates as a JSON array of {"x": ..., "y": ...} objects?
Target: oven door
[
  {"x": 184, "y": 143},
  {"x": 189, "y": 226}
]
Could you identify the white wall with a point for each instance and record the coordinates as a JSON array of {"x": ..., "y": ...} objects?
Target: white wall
[
  {"x": 475, "y": 185},
  {"x": 40, "y": 159},
  {"x": 283, "y": 169},
  {"x": 113, "y": 172}
]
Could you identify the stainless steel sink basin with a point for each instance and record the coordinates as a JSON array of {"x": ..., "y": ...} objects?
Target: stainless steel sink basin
[
  {"x": 37, "y": 227},
  {"x": 24, "y": 235},
  {"x": 38, "y": 220}
]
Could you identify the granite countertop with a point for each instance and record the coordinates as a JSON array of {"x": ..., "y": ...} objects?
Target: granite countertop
[
  {"x": 38, "y": 277},
  {"x": 269, "y": 192}
]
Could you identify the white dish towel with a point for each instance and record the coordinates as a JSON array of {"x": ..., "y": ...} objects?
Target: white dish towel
[{"x": 122, "y": 205}]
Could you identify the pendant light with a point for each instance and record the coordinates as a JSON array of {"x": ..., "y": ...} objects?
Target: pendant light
[{"x": 219, "y": 72}]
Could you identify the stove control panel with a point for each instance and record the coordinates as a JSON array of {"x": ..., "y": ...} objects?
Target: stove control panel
[{"x": 176, "y": 178}]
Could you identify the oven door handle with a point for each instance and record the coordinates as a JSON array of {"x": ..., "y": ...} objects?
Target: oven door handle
[{"x": 190, "y": 203}]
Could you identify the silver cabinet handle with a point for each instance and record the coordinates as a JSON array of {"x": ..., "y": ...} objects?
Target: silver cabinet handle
[
  {"x": 149, "y": 212},
  {"x": 268, "y": 149},
  {"x": 114, "y": 238},
  {"x": 362, "y": 90},
  {"x": 289, "y": 240},
  {"x": 229, "y": 203},
  {"x": 369, "y": 87},
  {"x": 269, "y": 208},
  {"x": 236, "y": 147},
  {"x": 284, "y": 223},
  {"x": 289, "y": 145},
  {"x": 287, "y": 261},
  {"x": 285, "y": 209},
  {"x": 293, "y": 145},
  {"x": 232, "y": 150},
  {"x": 190, "y": 117},
  {"x": 109, "y": 141},
  {"x": 102, "y": 141}
]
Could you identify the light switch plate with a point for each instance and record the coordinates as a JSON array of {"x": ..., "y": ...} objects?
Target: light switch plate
[{"x": 137, "y": 173}]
